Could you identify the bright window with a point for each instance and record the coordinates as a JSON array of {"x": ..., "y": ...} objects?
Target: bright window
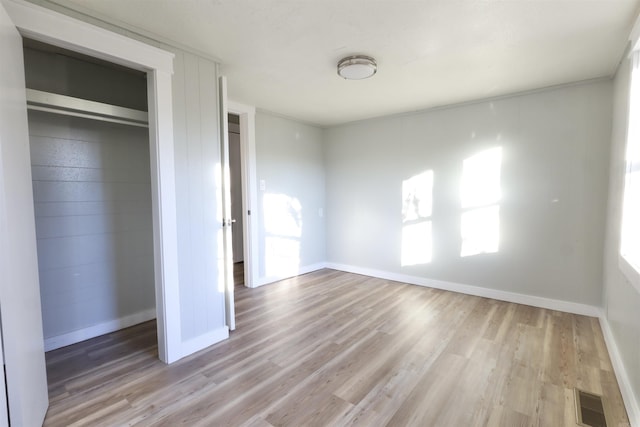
[{"x": 630, "y": 231}]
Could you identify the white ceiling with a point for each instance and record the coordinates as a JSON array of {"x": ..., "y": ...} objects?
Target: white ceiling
[{"x": 281, "y": 55}]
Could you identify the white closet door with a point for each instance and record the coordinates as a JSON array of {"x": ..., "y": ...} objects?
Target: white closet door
[
  {"x": 230, "y": 309},
  {"x": 21, "y": 316}
]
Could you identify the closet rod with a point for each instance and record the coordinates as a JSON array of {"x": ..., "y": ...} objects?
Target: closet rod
[{"x": 61, "y": 104}]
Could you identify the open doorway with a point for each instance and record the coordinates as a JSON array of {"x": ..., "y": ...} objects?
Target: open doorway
[
  {"x": 242, "y": 155},
  {"x": 237, "y": 209}
]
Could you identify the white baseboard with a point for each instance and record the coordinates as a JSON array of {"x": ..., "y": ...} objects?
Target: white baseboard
[
  {"x": 83, "y": 334},
  {"x": 628, "y": 396},
  {"x": 302, "y": 270},
  {"x": 535, "y": 301},
  {"x": 203, "y": 341}
]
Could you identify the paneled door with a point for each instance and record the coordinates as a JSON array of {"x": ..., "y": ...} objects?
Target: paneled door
[
  {"x": 227, "y": 220},
  {"x": 25, "y": 382}
]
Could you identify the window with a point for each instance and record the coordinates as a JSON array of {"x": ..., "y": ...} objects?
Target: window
[{"x": 630, "y": 230}]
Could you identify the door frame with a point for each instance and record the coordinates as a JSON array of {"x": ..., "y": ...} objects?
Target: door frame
[
  {"x": 247, "y": 114},
  {"x": 51, "y": 27}
]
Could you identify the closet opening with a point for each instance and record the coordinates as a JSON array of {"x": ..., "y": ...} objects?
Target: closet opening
[{"x": 92, "y": 191}]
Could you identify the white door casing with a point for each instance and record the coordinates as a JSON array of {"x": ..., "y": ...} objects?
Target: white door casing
[
  {"x": 23, "y": 343},
  {"x": 247, "y": 116}
]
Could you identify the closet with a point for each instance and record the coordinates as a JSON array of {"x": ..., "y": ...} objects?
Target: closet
[{"x": 91, "y": 176}]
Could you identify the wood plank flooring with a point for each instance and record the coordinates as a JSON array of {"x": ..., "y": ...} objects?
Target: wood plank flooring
[{"x": 337, "y": 349}]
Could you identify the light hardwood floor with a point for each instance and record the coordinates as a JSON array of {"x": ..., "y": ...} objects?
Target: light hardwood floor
[{"x": 333, "y": 349}]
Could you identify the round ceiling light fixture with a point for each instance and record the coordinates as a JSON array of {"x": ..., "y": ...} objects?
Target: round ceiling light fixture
[{"x": 357, "y": 67}]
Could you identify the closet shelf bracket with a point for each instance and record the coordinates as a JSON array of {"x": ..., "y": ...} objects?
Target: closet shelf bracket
[{"x": 61, "y": 104}]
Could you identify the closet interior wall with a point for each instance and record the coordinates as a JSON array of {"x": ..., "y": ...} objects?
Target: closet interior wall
[{"x": 92, "y": 199}]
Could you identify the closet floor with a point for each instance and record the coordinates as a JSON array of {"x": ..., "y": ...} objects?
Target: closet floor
[{"x": 331, "y": 348}]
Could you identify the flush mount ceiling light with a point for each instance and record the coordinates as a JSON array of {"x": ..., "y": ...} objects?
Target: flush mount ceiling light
[{"x": 357, "y": 67}]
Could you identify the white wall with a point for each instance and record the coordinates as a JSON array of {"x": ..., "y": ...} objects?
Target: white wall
[
  {"x": 621, "y": 300},
  {"x": 290, "y": 163},
  {"x": 553, "y": 183}
]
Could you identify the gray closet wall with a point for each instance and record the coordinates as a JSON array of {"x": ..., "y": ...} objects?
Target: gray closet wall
[{"x": 92, "y": 200}]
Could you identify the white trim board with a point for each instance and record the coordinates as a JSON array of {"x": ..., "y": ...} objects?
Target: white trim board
[
  {"x": 247, "y": 115},
  {"x": 83, "y": 334},
  {"x": 630, "y": 400},
  {"x": 541, "y": 302},
  {"x": 55, "y": 28}
]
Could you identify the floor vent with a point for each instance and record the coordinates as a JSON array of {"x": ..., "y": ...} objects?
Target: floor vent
[{"x": 589, "y": 409}]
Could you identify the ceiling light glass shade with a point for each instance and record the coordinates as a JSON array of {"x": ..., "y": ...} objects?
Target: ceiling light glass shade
[{"x": 357, "y": 67}]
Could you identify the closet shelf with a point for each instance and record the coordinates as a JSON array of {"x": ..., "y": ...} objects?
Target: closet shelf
[{"x": 61, "y": 104}]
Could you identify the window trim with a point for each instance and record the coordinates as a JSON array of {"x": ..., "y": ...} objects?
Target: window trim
[{"x": 630, "y": 271}]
